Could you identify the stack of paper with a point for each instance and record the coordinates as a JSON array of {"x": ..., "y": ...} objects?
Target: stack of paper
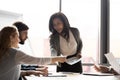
[
  {"x": 57, "y": 75},
  {"x": 97, "y": 74},
  {"x": 73, "y": 60}
]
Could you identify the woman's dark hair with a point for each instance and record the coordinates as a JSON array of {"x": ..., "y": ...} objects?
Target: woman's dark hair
[{"x": 66, "y": 25}]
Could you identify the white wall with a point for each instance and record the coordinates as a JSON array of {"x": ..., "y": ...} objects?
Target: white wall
[{"x": 8, "y": 18}]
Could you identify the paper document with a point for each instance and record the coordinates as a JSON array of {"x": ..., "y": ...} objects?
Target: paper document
[
  {"x": 97, "y": 74},
  {"x": 57, "y": 75},
  {"x": 73, "y": 60},
  {"x": 114, "y": 64}
]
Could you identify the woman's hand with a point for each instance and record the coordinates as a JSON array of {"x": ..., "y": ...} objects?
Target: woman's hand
[
  {"x": 39, "y": 71},
  {"x": 35, "y": 73},
  {"x": 43, "y": 70},
  {"x": 79, "y": 55},
  {"x": 28, "y": 73},
  {"x": 60, "y": 59}
]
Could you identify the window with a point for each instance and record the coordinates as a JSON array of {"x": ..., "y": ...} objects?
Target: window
[
  {"x": 36, "y": 14},
  {"x": 6, "y": 18},
  {"x": 85, "y": 15},
  {"x": 114, "y": 27}
]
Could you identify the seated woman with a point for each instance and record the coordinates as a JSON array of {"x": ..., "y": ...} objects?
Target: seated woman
[
  {"x": 11, "y": 58},
  {"x": 65, "y": 40}
]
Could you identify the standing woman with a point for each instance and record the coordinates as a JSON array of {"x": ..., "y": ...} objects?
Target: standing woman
[
  {"x": 11, "y": 58},
  {"x": 65, "y": 40}
]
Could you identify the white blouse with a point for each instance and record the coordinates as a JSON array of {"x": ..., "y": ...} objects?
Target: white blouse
[{"x": 68, "y": 48}]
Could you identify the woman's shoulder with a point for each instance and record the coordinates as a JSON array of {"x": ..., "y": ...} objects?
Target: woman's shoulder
[{"x": 13, "y": 50}]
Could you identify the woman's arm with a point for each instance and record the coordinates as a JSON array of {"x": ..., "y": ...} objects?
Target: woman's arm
[
  {"x": 22, "y": 58},
  {"x": 80, "y": 44}
]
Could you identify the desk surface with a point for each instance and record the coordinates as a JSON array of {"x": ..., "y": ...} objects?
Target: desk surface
[
  {"x": 72, "y": 76},
  {"x": 75, "y": 77}
]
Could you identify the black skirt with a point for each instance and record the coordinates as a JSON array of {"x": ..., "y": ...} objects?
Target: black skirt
[{"x": 64, "y": 67}]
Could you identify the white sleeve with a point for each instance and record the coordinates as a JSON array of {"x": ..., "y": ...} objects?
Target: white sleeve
[{"x": 22, "y": 58}]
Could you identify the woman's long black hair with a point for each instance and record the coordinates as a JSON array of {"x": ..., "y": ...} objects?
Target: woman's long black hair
[{"x": 66, "y": 25}]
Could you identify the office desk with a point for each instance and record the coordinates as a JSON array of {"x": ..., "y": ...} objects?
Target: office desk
[
  {"x": 76, "y": 77},
  {"x": 72, "y": 76}
]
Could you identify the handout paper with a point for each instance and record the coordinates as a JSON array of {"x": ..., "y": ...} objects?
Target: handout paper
[
  {"x": 73, "y": 60},
  {"x": 114, "y": 64}
]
